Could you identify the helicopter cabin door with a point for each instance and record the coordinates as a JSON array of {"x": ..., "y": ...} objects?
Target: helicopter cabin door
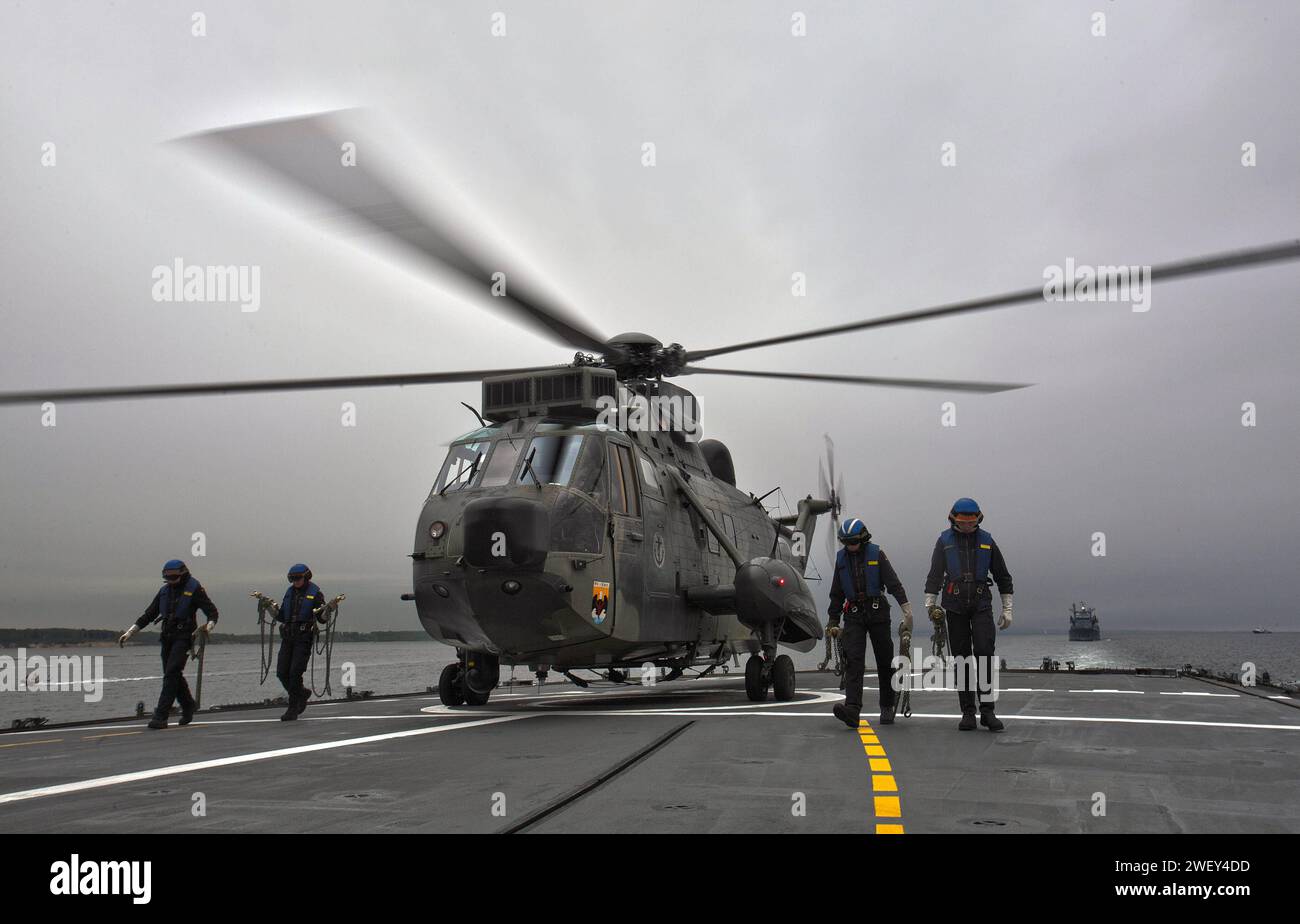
[{"x": 627, "y": 525}]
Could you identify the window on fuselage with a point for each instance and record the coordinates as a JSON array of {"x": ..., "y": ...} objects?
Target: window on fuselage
[
  {"x": 623, "y": 495},
  {"x": 649, "y": 478}
]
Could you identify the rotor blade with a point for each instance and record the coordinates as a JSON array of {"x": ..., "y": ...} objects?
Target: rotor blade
[
  {"x": 221, "y": 388},
  {"x": 1236, "y": 259},
  {"x": 305, "y": 153},
  {"x": 936, "y": 384}
]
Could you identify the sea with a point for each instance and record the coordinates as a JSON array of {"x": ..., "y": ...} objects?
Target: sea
[{"x": 132, "y": 676}]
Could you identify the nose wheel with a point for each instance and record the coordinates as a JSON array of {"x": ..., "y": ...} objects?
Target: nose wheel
[
  {"x": 454, "y": 691},
  {"x": 775, "y": 672},
  {"x": 451, "y": 687}
]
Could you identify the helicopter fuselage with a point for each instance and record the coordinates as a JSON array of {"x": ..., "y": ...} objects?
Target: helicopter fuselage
[{"x": 574, "y": 545}]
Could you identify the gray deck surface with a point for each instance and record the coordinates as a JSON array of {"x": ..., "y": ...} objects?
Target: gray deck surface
[{"x": 1168, "y": 754}]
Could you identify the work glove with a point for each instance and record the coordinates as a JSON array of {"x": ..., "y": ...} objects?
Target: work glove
[
  {"x": 907, "y": 619},
  {"x": 206, "y": 629},
  {"x": 935, "y": 611},
  {"x": 1004, "y": 622},
  {"x": 126, "y": 636},
  {"x": 833, "y": 630}
]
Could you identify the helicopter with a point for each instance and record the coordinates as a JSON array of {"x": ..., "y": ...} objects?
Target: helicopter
[{"x": 583, "y": 524}]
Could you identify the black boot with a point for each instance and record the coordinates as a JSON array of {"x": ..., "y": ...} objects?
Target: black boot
[
  {"x": 967, "y": 722},
  {"x": 187, "y": 712},
  {"x": 845, "y": 715},
  {"x": 290, "y": 713},
  {"x": 159, "y": 719},
  {"x": 300, "y": 704},
  {"x": 887, "y": 715},
  {"x": 990, "y": 721}
]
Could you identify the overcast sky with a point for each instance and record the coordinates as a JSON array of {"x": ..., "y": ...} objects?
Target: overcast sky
[{"x": 776, "y": 154}]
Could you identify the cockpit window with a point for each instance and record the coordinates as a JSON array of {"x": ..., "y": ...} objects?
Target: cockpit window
[
  {"x": 550, "y": 460},
  {"x": 479, "y": 435},
  {"x": 462, "y": 464},
  {"x": 501, "y": 464}
]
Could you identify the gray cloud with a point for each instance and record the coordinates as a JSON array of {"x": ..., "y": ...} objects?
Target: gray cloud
[{"x": 775, "y": 154}]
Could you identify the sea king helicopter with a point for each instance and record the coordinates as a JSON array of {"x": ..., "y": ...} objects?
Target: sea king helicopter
[{"x": 583, "y": 525}]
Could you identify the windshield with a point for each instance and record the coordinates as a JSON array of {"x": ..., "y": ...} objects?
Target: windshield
[
  {"x": 550, "y": 459},
  {"x": 501, "y": 464},
  {"x": 458, "y": 470}
]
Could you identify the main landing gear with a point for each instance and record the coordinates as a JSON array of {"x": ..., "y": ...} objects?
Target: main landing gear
[
  {"x": 763, "y": 671},
  {"x": 469, "y": 680}
]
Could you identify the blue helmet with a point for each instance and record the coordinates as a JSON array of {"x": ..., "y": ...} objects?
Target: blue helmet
[
  {"x": 965, "y": 514},
  {"x": 174, "y": 568},
  {"x": 853, "y": 530},
  {"x": 299, "y": 570}
]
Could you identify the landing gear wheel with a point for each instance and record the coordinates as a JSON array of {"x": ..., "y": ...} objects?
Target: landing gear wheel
[
  {"x": 617, "y": 676},
  {"x": 783, "y": 678},
  {"x": 450, "y": 689},
  {"x": 755, "y": 681},
  {"x": 473, "y": 697}
]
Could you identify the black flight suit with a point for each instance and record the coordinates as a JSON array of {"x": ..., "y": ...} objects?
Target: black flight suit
[
  {"x": 176, "y": 639},
  {"x": 866, "y": 616},
  {"x": 969, "y": 606},
  {"x": 296, "y": 639}
]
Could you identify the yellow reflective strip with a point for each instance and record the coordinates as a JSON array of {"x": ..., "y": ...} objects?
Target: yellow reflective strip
[
  {"x": 188, "y": 593},
  {"x": 888, "y": 807},
  {"x": 986, "y": 546},
  {"x": 876, "y": 562},
  {"x": 880, "y": 764},
  {"x": 874, "y": 750},
  {"x": 883, "y": 782},
  {"x": 889, "y": 829}
]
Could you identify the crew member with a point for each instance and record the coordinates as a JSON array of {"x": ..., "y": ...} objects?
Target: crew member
[
  {"x": 862, "y": 575},
  {"x": 175, "y": 607},
  {"x": 297, "y": 635},
  {"x": 964, "y": 558}
]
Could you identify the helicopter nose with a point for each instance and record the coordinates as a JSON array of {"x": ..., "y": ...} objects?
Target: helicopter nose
[{"x": 506, "y": 532}]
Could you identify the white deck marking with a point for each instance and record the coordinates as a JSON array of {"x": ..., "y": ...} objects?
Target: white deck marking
[
  {"x": 817, "y": 699},
  {"x": 1191, "y": 693},
  {"x": 1016, "y": 717},
  {"x": 1138, "y": 692},
  {"x": 902, "y": 721},
  {"x": 139, "y": 775}
]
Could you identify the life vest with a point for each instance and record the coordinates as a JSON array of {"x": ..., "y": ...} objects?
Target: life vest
[
  {"x": 871, "y": 567},
  {"x": 184, "y": 612},
  {"x": 983, "y": 555},
  {"x": 310, "y": 599}
]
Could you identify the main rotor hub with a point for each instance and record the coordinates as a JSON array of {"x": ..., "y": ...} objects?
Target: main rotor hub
[{"x": 635, "y": 355}]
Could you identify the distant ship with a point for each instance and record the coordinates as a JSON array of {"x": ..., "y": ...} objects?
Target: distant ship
[
  {"x": 1084, "y": 626},
  {"x": 1262, "y": 631}
]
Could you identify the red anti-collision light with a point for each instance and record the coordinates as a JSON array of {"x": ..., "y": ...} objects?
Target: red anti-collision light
[{"x": 778, "y": 582}]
